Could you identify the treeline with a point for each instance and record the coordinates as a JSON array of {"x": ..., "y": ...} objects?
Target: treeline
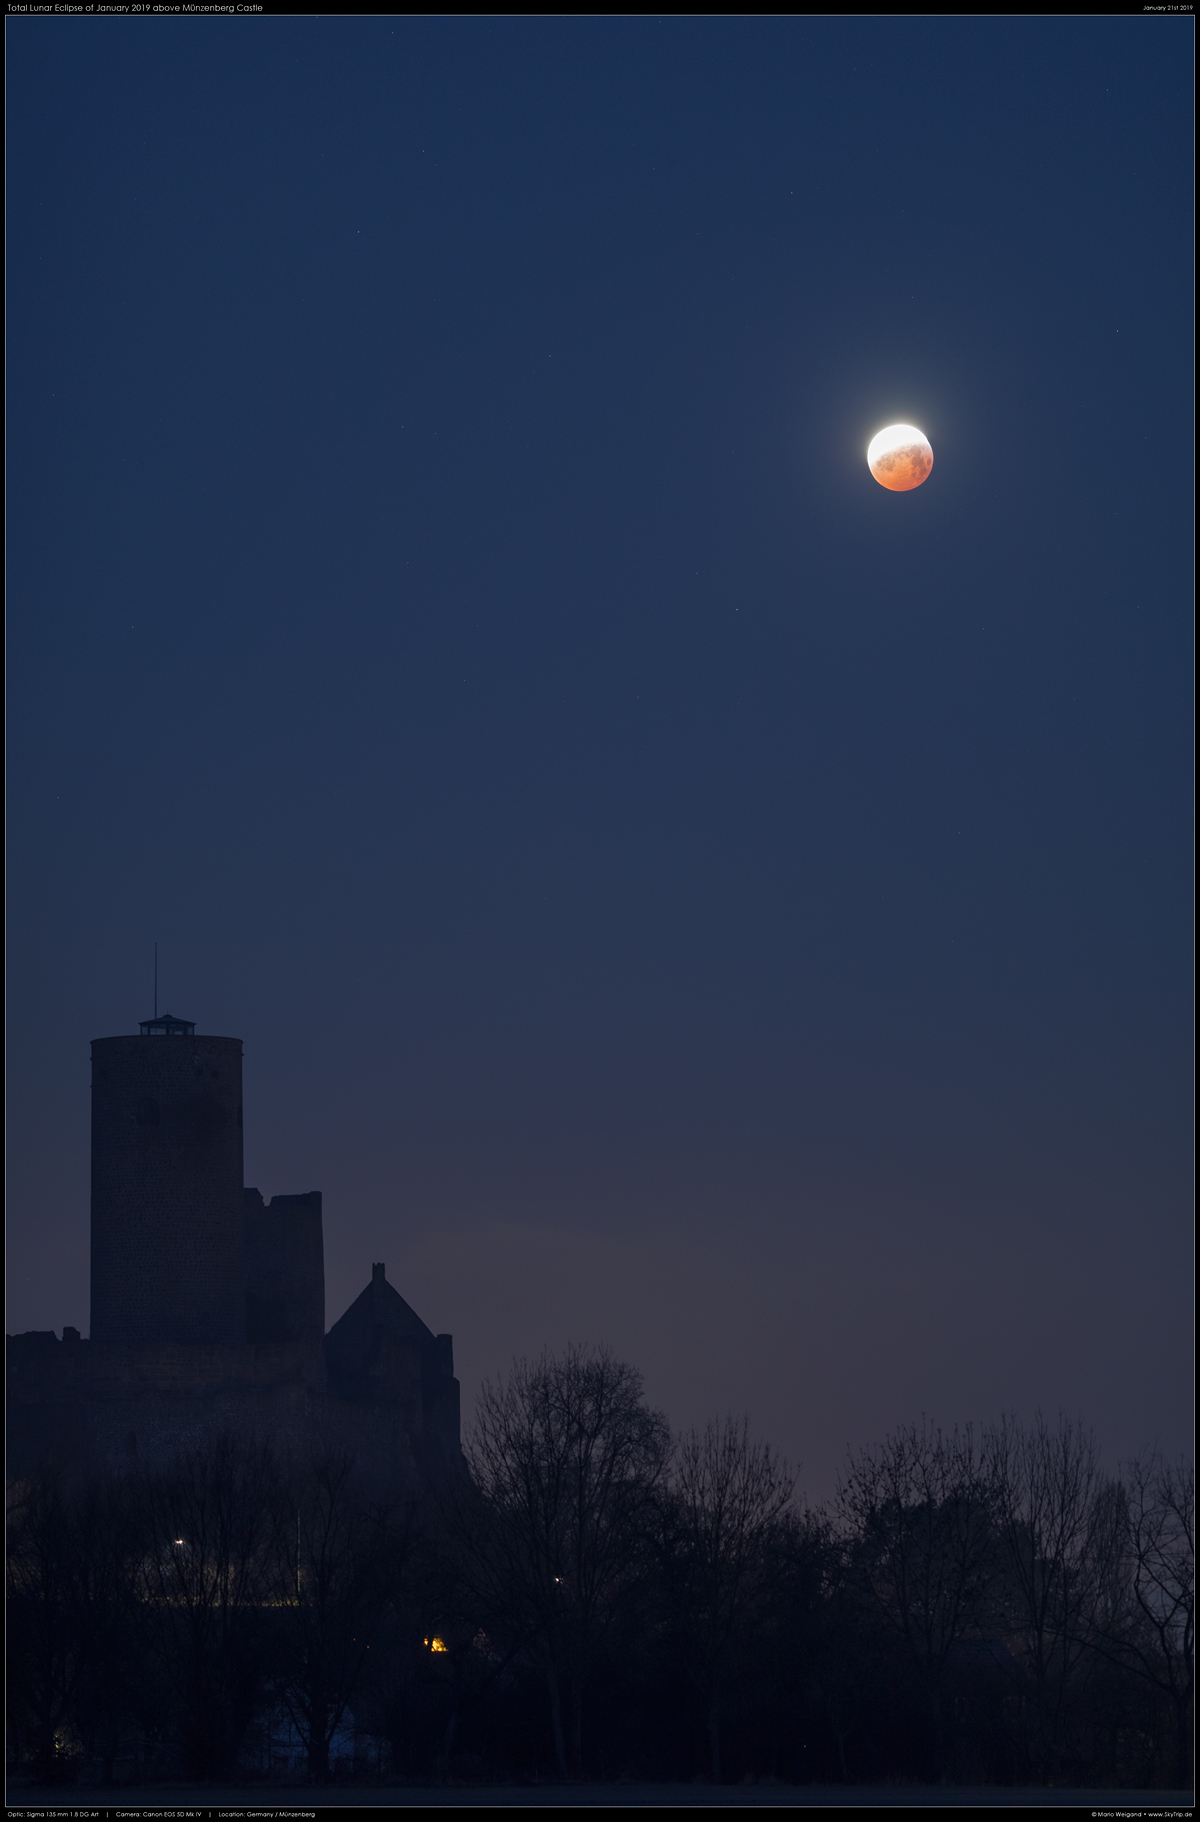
[{"x": 597, "y": 1598}]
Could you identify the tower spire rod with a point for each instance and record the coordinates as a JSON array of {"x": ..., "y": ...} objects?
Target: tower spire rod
[{"x": 156, "y": 980}]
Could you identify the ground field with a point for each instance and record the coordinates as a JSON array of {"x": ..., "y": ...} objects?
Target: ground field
[{"x": 298, "y": 1798}]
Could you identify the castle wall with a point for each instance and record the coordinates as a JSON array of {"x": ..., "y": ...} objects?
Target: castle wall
[
  {"x": 285, "y": 1268},
  {"x": 167, "y": 1221},
  {"x": 144, "y": 1412},
  {"x": 78, "y": 1404},
  {"x": 441, "y": 1416}
]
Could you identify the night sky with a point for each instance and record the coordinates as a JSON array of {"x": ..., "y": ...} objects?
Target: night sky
[{"x": 672, "y": 891}]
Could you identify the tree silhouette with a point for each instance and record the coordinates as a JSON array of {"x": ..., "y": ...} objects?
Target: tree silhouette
[
  {"x": 565, "y": 1458},
  {"x": 1045, "y": 1484},
  {"x": 925, "y": 1549},
  {"x": 726, "y": 1493},
  {"x": 205, "y": 1587}
]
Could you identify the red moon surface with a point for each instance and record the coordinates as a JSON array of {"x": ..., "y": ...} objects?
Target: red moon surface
[{"x": 900, "y": 457}]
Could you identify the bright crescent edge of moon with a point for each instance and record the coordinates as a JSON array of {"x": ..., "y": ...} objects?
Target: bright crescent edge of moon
[{"x": 900, "y": 457}]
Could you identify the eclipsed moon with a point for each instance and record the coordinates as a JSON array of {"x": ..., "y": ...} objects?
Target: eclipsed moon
[{"x": 900, "y": 457}]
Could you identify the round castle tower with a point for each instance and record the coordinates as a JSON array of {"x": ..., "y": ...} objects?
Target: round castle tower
[{"x": 167, "y": 1221}]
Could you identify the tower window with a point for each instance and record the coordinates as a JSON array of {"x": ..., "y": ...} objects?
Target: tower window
[{"x": 147, "y": 1113}]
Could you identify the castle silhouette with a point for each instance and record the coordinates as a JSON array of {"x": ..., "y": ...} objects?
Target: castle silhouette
[{"x": 208, "y": 1304}]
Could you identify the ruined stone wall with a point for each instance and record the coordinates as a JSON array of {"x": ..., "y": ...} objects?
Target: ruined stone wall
[
  {"x": 441, "y": 1426},
  {"x": 285, "y": 1268}
]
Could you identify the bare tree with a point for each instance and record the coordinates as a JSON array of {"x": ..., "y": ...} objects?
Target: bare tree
[
  {"x": 336, "y": 1555},
  {"x": 45, "y": 1656},
  {"x": 564, "y": 1457},
  {"x": 1046, "y": 1483},
  {"x": 1148, "y": 1619},
  {"x": 922, "y": 1545},
  {"x": 70, "y": 1586},
  {"x": 205, "y": 1587},
  {"x": 727, "y": 1492},
  {"x": 844, "y": 1641}
]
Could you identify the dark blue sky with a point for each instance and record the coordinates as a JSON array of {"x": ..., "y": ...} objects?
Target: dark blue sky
[{"x": 671, "y": 890}]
